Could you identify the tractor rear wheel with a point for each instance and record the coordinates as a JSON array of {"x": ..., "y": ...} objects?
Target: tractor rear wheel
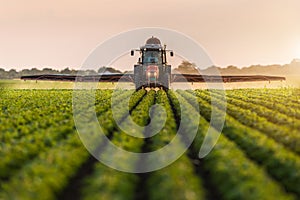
[
  {"x": 166, "y": 82},
  {"x": 137, "y": 76}
]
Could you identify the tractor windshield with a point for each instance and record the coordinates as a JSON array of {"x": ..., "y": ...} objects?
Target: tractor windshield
[{"x": 152, "y": 57}]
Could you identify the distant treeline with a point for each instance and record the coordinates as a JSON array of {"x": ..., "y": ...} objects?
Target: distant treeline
[
  {"x": 185, "y": 67},
  {"x": 12, "y": 74},
  {"x": 292, "y": 68}
]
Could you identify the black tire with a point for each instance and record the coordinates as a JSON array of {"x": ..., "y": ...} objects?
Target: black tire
[
  {"x": 167, "y": 77},
  {"x": 166, "y": 82},
  {"x": 137, "y": 77}
]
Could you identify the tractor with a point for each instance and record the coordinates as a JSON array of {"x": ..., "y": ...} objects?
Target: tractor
[{"x": 152, "y": 69}]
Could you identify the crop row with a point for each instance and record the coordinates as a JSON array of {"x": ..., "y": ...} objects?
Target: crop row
[
  {"x": 55, "y": 167},
  {"x": 281, "y": 105},
  {"x": 157, "y": 184},
  {"x": 282, "y": 134},
  {"x": 281, "y": 163},
  {"x": 24, "y": 112},
  {"x": 231, "y": 173},
  {"x": 265, "y": 109},
  {"x": 15, "y": 154},
  {"x": 178, "y": 180},
  {"x": 288, "y": 96},
  {"x": 42, "y": 161},
  {"x": 270, "y": 114},
  {"x": 105, "y": 182}
]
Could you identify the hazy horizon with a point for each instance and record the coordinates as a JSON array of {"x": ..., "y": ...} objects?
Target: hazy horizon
[{"x": 62, "y": 34}]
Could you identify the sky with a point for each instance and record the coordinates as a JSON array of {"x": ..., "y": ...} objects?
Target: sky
[{"x": 62, "y": 33}]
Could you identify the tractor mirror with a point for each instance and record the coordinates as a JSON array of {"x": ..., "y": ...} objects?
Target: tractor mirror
[
  {"x": 171, "y": 53},
  {"x": 132, "y": 53}
]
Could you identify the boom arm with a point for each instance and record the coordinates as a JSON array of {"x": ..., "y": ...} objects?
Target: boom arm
[
  {"x": 174, "y": 78},
  {"x": 225, "y": 78},
  {"x": 81, "y": 78}
]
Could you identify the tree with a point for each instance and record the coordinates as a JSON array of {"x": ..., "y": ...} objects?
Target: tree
[
  {"x": 108, "y": 69},
  {"x": 3, "y": 73},
  {"x": 12, "y": 74},
  {"x": 187, "y": 67},
  {"x": 66, "y": 71}
]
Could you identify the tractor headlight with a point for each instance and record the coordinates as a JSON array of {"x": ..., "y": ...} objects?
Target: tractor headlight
[
  {"x": 155, "y": 73},
  {"x": 149, "y": 74}
]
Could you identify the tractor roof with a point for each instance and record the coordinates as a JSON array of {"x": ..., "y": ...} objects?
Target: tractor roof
[
  {"x": 153, "y": 40},
  {"x": 152, "y": 43}
]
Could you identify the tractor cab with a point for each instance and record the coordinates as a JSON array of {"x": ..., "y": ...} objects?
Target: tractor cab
[{"x": 152, "y": 57}]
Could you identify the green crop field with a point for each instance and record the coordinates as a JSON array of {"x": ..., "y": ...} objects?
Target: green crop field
[{"x": 256, "y": 157}]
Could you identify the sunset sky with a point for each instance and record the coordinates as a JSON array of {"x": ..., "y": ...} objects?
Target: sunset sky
[{"x": 62, "y": 33}]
